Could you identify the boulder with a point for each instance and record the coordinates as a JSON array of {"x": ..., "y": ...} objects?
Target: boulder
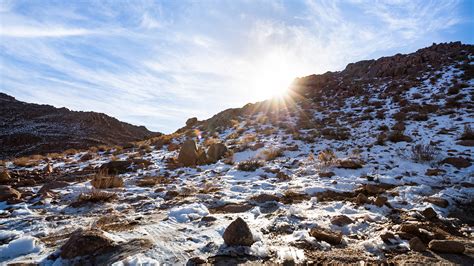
[
  {"x": 191, "y": 121},
  {"x": 447, "y": 246},
  {"x": 417, "y": 245},
  {"x": 264, "y": 198},
  {"x": 429, "y": 213},
  {"x": 341, "y": 220},
  {"x": 350, "y": 163},
  {"x": 380, "y": 201},
  {"x": 188, "y": 154},
  {"x": 117, "y": 167},
  {"x": 9, "y": 194},
  {"x": 327, "y": 174},
  {"x": 52, "y": 185},
  {"x": 4, "y": 176},
  {"x": 373, "y": 189},
  {"x": 238, "y": 234},
  {"x": 361, "y": 199},
  {"x": 85, "y": 243},
  {"x": 333, "y": 238},
  {"x": 216, "y": 152},
  {"x": 458, "y": 162}
]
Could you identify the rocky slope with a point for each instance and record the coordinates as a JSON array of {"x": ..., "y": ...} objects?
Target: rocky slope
[
  {"x": 370, "y": 164},
  {"x": 27, "y": 129}
]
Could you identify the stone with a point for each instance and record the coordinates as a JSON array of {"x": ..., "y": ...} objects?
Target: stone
[
  {"x": 458, "y": 162},
  {"x": 85, "y": 243},
  {"x": 46, "y": 188},
  {"x": 447, "y": 246},
  {"x": 440, "y": 202},
  {"x": 341, "y": 220},
  {"x": 4, "y": 176},
  {"x": 373, "y": 189},
  {"x": 264, "y": 198},
  {"x": 9, "y": 194},
  {"x": 191, "y": 121},
  {"x": 282, "y": 176},
  {"x": 327, "y": 174},
  {"x": 238, "y": 234},
  {"x": 361, "y": 199},
  {"x": 333, "y": 238},
  {"x": 102, "y": 182},
  {"x": 350, "y": 163},
  {"x": 388, "y": 237},
  {"x": 429, "y": 213},
  {"x": 216, "y": 152},
  {"x": 202, "y": 157},
  {"x": 196, "y": 261},
  {"x": 380, "y": 201},
  {"x": 188, "y": 154},
  {"x": 417, "y": 245},
  {"x": 86, "y": 157},
  {"x": 117, "y": 167}
]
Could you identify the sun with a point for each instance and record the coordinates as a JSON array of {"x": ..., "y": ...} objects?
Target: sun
[{"x": 272, "y": 77}]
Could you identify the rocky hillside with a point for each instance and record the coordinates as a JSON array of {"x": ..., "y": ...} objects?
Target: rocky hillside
[
  {"x": 370, "y": 164},
  {"x": 27, "y": 129}
]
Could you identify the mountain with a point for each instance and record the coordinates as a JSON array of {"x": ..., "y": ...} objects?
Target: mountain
[
  {"x": 27, "y": 129},
  {"x": 371, "y": 164}
]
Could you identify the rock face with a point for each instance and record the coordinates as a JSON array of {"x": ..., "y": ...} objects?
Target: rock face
[
  {"x": 188, "y": 154},
  {"x": 9, "y": 194},
  {"x": 38, "y": 129},
  {"x": 238, "y": 234},
  {"x": 216, "y": 152},
  {"x": 447, "y": 246}
]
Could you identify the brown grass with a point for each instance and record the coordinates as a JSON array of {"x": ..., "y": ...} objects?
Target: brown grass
[
  {"x": 423, "y": 153},
  {"x": 25, "y": 162},
  {"x": 250, "y": 165},
  {"x": 327, "y": 157},
  {"x": 271, "y": 154},
  {"x": 151, "y": 181},
  {"x": 95, "y": 196}
]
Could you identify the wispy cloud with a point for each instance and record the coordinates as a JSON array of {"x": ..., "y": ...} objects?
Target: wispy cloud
[{"x": 159, "y": 63}]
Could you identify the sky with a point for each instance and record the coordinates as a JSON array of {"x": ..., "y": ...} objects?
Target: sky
[{"x": 157, "y": 63}]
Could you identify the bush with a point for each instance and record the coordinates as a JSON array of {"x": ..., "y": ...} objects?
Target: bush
[
  {"x": 102, "y": 180},
  {"x": 327, "y": 157},
  {"x": 249, "y": 165},
  {"x": 271, "y": 154},
  {"x": 468, "y": 133},
  {"x": 398, "y": 136},
  {"x": 423, "y": 153}
]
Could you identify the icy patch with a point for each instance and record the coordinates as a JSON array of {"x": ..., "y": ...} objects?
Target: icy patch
[
  {"x": 21, "y": 246},
  {"x": 186, "y": 213}
]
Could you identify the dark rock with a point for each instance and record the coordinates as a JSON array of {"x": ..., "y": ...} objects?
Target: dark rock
[
  {"x": 440, "y": 202},
  {"x": 458, "y": 162},
  {"x": 238, "y": 234},
  {"x": 361, "y": 199},
  {"x": 264, "y": 198},
  {"x": 117, "y": 167},
  {"x": 327, "y": 174},
  {"x": 196, "y": 260},
  {"x": 341, "y": 220},
  {"x": 216, "y": 152},
  {"x": 380, "y": 201},
  {"x": 191, "y": 121},
  {"x": 429, "y": 213},
  {"x": 434, "y": 172},
  {"x": 52, "y": 185},
  {"x": 188, "y": 154},
  {"x": 417, "y": 245},
  {"x": 333, "y": 238},
  {"x": 350, "y": 163},
  {"x": 447, "y": 246},
  {"x": 85, "y": 242},
  {"x": 9, "y": 194}
]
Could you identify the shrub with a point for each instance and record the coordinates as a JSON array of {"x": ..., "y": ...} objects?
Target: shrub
[
  {"x": 398, "y": 136},
  {"x": 327, "y": 157},
  {"x": 102, "y": 180},
  {"x": 271, "y": 154},
  {"x": 249, "y": 165},
  {"x": 248, "y": 138},
  {"x": 25, "y": 162},
  {"x": 95, "y": 196},
  {"x": 423, "y": 153},
  {"x": 468, "y": 133}
]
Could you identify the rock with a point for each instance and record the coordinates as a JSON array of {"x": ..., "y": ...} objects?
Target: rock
[
  {"x": 361, "y": 199},
  {"x": 195, "y": 261},
  {"x": 327, "y": 174},
  {"x": 102, "y": 182},
  {"x": 333, "y": 238},
  {"x": 233, "y": 208},
  {"x": 4, "y": 176},
  {"x": 380, "y": 201},
  {"x": 202, "y": 157},
  {"x": 85, "y": 242},
  {"x": 48, "y": 169},
  {"x": 467, "y": 142},
  {"x": 238, "y": 234},
  {"x": 191, "y": 121},
  {"x": 440, "y": 202},
  {"x": 429, "y": 213},
  {"x": 350, "y": 163},
  {"x": 173, "y": 147},
  {"x": 9, "y": 194},
  {"x": 410, "y": 229},
  {"x": 216, "y": 152},
  {"x": 117, "y": 167},
  {"x": 52, "y": 185},
  {"x": 86, "y": 157},
  {"x": 434, "y": 172},
  {"x": 447, "y": 246},
  {"x": 388, "y": 237},
  {"x": 171, "y": 194},
  {"x": 341, "y": 220},
  {"x": 188, "y": 154},
  {"x": 264, "y": 198},
  {"x": 417, "y": 245},
  {"x": 458, "y": 162},
  {"x": 282, "y": 176}
]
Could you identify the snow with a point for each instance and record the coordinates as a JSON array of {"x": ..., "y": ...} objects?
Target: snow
[
  {"x": 21, "y": 246},
  {"x": 186, "y": 213}
]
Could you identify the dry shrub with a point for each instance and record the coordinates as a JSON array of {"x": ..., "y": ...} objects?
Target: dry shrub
[
  {"x": 54, "y": 155},
  {"x": 249, "y": 165},
  {"x": 423, "y": 153},
  {"x": 93, "y": 149},
  {"x": 398, "y": 136},
  {"x": 268, "y": 131},
  {"x": 233, "y": 135},
  {"x": 468, "y": 133},
  {"x": 327, "y": 157},
  {"x": 151, "y": 181},
  {"x": 248, "y": 138},
  {"x": 70, "y": 152},
  {"x": 270, "y": 154},
  {"x": 381, "y": 138},
  {"x": 209, "y": 141},
  {"x": 102, "y": 180}
]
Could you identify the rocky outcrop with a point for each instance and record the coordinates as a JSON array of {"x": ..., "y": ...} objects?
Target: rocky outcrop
[{"x": 39, "y": 129}]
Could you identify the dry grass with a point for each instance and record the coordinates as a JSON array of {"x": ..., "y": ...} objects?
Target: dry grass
[
  {"x": 54, "y": 155},
  {"x": 270, "y": 154},
  {"x": 95, "y": 196},
  {"x": 248, "y": 138},
  {"x": 151, "y": 181},
  {"x": 70, "y": 152},
  {"x": 209, "y": 187},
  {"x": 102, "y": 180},
  {"x": 25, "y": 162},
  {"x": 327, "y": 157}
]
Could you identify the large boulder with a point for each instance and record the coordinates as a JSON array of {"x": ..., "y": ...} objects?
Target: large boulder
[
  {"x": 84, "y": 243},
  {"x": 191, "y": 121},
  {"x": 9, "y": 194},
  {"x": 216, "y": 151},
  {"x": 188, "y": 154},
  {"x": 238, "y": 234}
]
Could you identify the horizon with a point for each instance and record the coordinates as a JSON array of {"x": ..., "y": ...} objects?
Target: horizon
[{"x": 154, "y": 65}]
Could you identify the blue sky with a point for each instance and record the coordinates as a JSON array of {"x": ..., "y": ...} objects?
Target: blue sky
[{"x": 157, "y": 63}]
